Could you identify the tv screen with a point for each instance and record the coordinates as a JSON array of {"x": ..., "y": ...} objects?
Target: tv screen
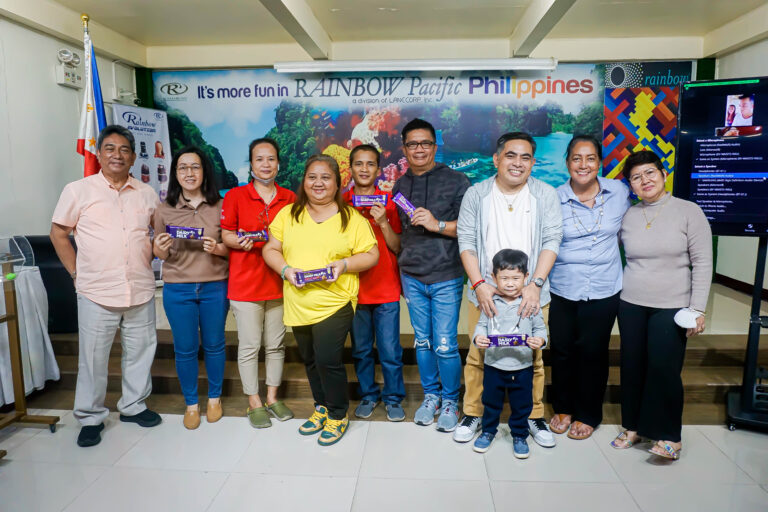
[{"x": 723, "y": 153}]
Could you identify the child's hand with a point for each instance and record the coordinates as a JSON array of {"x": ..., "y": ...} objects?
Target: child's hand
[
  {"x": 482, "y": 341},
  {"x": 535, "y": 342}
]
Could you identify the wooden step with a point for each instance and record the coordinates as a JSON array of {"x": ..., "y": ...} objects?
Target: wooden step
[{"x": 704, "y": 384}]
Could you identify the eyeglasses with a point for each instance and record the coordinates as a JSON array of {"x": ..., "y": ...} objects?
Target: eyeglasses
[
  {"x": 648, "y": 173},
  {"x": 426, "y": 144},
  {"x": 189, "y": 169}
]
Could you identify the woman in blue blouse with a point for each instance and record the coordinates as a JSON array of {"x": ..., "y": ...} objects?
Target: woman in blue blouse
[{"x": 585, "y": 284}]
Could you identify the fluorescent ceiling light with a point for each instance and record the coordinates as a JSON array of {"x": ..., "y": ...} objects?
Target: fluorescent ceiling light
[{"x": 322, "y": 66}]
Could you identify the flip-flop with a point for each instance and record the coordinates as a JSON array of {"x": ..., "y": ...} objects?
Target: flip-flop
[
  {"x": 669, "y": 452},
  {"x": 577, "y": 437},
  {"x": 622, "y": 441},
  {"x": 561, "y": 430}
]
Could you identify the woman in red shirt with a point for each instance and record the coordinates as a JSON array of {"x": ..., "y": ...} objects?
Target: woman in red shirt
[{"x": 255, "y": 291}]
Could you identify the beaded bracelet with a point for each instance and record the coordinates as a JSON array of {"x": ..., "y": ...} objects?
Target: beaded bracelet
[
  {"x": 282, "y": 272},
  {"x": 474, "y": 286}
]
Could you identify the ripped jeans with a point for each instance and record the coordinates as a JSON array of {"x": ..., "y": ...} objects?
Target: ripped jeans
[{"x": 434, "y": 311}]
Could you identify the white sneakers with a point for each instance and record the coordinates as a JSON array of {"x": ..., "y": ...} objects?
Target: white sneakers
[
  {"x": 541, "y": 433},
  {"x": 467, "y": 429}
]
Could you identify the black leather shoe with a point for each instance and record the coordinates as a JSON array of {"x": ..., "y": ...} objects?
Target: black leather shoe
[
  {"x": 90, "y": 435},
  {"x": 145, "y": 418}
]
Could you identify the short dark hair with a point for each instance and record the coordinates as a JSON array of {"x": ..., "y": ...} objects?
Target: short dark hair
[
  {"x": 116, "y": 129},
  {"x": 263, "y": 140},
  {"x": 418, "y": 124},
  {"x": 502, "y": 141},
  {"x": 510, "y": 259},
  {"x": 584, "y": 138},
  {"x": 750, "y": 97},
  {"x": 365, "y": 147},
  {"x": 208, "y": 187},
  {"x": 641, "y": 157}
]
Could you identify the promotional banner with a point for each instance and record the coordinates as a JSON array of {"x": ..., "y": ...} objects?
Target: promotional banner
[
  {"x": 223, "y": 110},
  {"x": 153, "y": 155}
]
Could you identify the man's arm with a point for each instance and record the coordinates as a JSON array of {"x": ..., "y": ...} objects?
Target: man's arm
[
  {"x": 531, "y": 293},
  {"x": 64, "y": 250}
]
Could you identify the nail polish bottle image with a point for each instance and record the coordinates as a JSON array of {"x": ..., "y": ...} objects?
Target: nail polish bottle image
[
  {"x": 162, "y": 176},
  {"x": 144, "y": 173},
  {"x": 159, "y": 153},
  {"x": 143, "y": 150}
]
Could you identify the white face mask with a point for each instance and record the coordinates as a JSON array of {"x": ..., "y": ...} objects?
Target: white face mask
[{"x": 263, "y": 181}]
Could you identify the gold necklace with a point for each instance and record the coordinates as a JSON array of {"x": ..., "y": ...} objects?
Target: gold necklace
[{"x": 649, "y": 222}]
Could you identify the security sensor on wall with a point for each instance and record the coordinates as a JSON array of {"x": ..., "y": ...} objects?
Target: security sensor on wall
[{"x": 67, "y": 73}]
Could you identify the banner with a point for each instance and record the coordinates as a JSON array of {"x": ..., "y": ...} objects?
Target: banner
[
  {"x": 223, "y": 110},
  {"x": 153, "y": 155}
]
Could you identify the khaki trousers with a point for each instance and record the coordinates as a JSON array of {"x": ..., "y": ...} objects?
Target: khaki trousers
[
  {"x": 259, "y": 323},
  {"x": 473, "y": 371}
]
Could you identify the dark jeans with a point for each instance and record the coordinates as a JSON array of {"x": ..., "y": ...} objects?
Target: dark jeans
[
  {"x": 500, "y": 384},
  {"x": 652, "y": 354},
  {"x": 579, "y": 333},
  {"x": 321, "y": 346},
  {"x": 382, "y": 323}
]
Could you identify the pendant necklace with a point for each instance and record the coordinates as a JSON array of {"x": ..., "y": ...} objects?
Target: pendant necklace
[
  {"x": 596, "y": 226},
  {"x": 649, "y": 222}
]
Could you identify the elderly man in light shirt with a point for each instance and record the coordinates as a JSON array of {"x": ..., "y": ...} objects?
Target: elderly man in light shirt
[{"x": 110, "y": 214}]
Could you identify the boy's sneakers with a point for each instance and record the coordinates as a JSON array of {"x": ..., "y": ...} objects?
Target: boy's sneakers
[
  {"x": 315, "y": 423},
  {"x": 395, "y": 412},
  {"x": 467, "y": 429},
  {"x": 540, "y": 432},
  {"x": 365, "y": 408},
  {"x": 449, "y": 417},
  {"x": 333, "y": 431},
  {"x": 425, "y": 414},
  {"x": 519, "y": 446},
  {"x": 483, "y": 442}
]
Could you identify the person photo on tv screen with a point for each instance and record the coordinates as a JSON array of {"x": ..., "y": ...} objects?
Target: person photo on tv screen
[
  {"x": 730, "y": 114},
  {"x": 745, "y": 110}
]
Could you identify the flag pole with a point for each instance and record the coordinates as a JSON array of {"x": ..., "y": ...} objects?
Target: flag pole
[{"x": 85, "y": 18}]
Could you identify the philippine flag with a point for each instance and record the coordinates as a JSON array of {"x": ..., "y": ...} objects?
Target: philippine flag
[{"x": 92, "y": 118}]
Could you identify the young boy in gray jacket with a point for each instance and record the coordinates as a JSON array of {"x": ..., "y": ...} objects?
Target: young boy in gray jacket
[{"x": 508, "y": 339}]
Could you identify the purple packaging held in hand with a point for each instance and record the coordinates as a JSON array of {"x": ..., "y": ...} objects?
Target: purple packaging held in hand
[
  {"x": 184, "y": 233},
  {"x": 508, "y": 340},
  {"x": 371, "y": 200},
  {"x": 404, "y": 204},
  {"x": 311, "y": 276},
  {"x": 256, "y": 236}
]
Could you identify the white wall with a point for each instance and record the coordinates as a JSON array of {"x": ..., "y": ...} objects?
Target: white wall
[
  {"x": 736, "y": 256},
  {"x": 38, "y": 128}
]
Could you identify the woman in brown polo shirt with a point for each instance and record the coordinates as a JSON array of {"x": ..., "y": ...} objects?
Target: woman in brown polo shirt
[{"x": 188, "y": 238}]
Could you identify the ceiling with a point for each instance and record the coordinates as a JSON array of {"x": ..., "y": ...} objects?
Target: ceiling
[{"x": 205, "y": 22}]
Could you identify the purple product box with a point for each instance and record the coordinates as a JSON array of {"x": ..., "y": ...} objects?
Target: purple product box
[
  {"x": 508, "y": 340},
  {"x": 371, "y": 200},
  {"x": 256, "y": 236},
  {"x": 403, "y": 203},
  {"x": 184, "y": 233},
  {"x": 311, "y": 276}
]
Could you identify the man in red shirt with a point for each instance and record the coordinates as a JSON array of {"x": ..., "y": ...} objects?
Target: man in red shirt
[{"x": 378, "y": 310}]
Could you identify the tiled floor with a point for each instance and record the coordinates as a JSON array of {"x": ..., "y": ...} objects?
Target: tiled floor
[{"x": 377, "y": 466}]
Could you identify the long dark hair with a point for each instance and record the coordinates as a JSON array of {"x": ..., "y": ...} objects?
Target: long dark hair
[
  {"x": 255, "y": 142},
  {"x": 208, "y": 187},
  {"x": 301, "y": 195}
]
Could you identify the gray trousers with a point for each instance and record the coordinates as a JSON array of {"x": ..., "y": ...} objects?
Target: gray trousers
[{"x": 98, "y": 326}]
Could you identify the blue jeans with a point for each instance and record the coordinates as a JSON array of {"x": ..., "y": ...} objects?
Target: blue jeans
[
  {"x": 434, "y": 310},
  {"x": 381, "y": 321},
  {"x": 197, "y": 311}
]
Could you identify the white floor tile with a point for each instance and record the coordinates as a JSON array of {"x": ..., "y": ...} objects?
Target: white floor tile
[
  {"x": 749, "y": 450},
  {"x": 44, "y": 487},
  {"x": 211, "y": 447},
  {"x": 13, "y": 436},
  {"x": 284, "y": 493},
  {"x": 281, "y": 450},
  {"x": 569, "y": 461},
  {"x": 695, "y": 497},
  {"x": 403, "y": 495},
  {"x": 701, "y": 461},
  {"x": 594, "y": 497},
  {"x": 149, "y": 490},
  {"x": 61, "y": 446},
  {"x": 407, "y": 450}
]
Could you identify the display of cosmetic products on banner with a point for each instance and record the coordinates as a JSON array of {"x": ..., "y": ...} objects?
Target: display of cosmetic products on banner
[{"x": 153, "y": 154}]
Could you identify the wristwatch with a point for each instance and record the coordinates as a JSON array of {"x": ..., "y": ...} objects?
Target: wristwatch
[
  {"x": 538, "y": 281},
  {"x": 440, "y": 226}
]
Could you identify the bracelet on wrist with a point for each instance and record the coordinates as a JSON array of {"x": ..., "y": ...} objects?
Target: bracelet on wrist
[
  {"x": 474, "y": 286},
  {"x": 282, "y": 272},
  {"x": 345, "y": 265}
]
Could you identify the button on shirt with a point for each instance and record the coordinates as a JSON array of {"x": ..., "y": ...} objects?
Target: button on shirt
[
  {"x": 588, "y": 265},
  {"x": 111, "y": 229}
]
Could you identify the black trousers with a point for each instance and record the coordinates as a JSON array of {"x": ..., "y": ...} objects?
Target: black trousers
[
  {"x": 652, "y": 354},
  {"x": 579, "y": 335},
  {"x": 321, "y": 346},
  {"x": 518, "y": 386}
]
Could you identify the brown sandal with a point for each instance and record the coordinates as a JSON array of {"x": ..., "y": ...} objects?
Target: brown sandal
[
  {"x": 579, "y": 437},
  {"x": 560, "y": 420}
]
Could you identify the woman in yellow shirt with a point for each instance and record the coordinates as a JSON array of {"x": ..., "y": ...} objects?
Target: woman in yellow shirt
[{"x": 320, "y": 231}]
